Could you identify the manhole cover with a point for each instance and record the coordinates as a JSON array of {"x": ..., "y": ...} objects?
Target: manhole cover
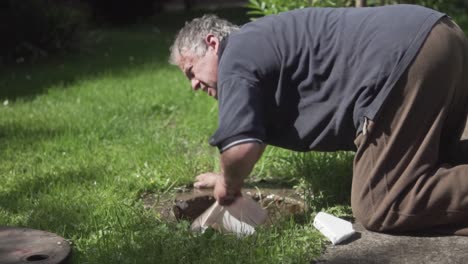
[{"x": 28, "y": 246}]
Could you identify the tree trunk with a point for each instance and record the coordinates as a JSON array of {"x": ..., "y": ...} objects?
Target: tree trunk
[{"x": 361, "y": 3}]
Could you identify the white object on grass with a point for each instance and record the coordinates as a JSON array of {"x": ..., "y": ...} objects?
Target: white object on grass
[
  {"x": 335, "y": 229},
  {"x": 241, "y": 217}
]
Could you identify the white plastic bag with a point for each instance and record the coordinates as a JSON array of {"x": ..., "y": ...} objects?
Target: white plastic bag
[
  {"x": 241, "y": 217},
  {"x": 335, "y": 229}
]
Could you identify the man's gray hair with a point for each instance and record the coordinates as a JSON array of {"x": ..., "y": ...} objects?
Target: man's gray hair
[{"x": 191, "y": 38}]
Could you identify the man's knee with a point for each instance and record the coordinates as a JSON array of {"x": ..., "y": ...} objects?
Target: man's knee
[
  {"x": 363, "y": 215},
  {"x": 374, "y": 221},
  {"x": 368, "y": 223}
]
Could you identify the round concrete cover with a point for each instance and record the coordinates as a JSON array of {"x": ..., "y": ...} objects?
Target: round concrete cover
[{"x": 26, "y": 246}]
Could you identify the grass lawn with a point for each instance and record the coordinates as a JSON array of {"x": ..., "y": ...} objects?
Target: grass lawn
[{"x": 83, "y": 135}]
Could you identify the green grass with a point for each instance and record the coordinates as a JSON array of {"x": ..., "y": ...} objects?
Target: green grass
[{"x": 83, "y": 135}]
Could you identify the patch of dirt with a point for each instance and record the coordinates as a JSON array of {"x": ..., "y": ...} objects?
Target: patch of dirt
[{"x": 189, "y": 204}]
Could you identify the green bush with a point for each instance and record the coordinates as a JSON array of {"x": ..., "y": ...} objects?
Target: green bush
[
  {"x": 442, "y": 5},
  {"x": 37, "y": 28},
  {"x": 269, "y": 7}
]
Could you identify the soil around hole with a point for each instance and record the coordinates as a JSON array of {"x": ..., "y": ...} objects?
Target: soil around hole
[{"x": 189, "y": 204}]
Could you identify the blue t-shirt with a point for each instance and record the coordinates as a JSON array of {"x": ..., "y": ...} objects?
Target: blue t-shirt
[{"x": 307, "y": 78}]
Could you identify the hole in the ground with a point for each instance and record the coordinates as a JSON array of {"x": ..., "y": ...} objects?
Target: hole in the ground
[{"x": 189, "y": 205}]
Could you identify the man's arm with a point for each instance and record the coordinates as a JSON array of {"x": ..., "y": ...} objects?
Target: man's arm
[{"x": 237, "y": 163}]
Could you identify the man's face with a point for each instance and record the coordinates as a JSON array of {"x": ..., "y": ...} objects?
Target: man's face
[{"x": 202, "y": 71}]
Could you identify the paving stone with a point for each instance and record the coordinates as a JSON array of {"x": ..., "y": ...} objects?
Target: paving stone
[{"x": 370, "y": 247}]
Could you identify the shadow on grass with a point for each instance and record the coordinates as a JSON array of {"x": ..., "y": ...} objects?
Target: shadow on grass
[
  {"x": 21, "y": 139},
  {"x": 37, "y": 196},
  {"x": 111, "y": 51}
]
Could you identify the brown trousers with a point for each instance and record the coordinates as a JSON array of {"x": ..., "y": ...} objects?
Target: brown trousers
[{"x": 411, "y": 168}]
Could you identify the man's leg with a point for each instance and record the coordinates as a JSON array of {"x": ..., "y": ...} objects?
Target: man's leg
[{"x": 403, "y": 180}]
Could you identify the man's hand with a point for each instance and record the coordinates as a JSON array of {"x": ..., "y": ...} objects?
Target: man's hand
[
  {"x": 206, "y": 180},
  {"x": 236, "y": 164},
  {"x": 225, "y": 194}
]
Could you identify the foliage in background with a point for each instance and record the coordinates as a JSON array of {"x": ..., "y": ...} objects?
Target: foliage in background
[
  {"x": 118, "y": 12},
  {"x": 37, "y": 28},
  {"x": 442, "y": 5},
  {"x": 33, "y": 29},
  {"x": 269, "y": 7}
]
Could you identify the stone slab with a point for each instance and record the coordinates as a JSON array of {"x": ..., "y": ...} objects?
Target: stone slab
[{"x": 370, "y": 247}]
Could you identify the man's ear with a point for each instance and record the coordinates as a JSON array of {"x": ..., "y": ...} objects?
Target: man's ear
[{"x": 212, "y": 41}]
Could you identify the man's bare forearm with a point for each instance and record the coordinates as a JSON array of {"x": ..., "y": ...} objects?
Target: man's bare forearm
[{"x": 237, "y": 163}]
